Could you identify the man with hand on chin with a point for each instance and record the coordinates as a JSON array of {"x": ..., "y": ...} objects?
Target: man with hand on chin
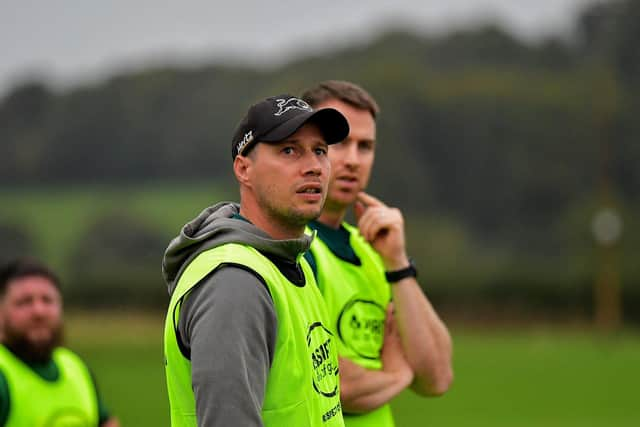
[{"x": 389, "y": 335}]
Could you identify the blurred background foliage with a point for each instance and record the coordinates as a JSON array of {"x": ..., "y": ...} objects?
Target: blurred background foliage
[{"x": 499, "y": 152}]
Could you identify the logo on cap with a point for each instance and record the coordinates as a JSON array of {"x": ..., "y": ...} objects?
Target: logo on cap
[
  {"x": 248, "y": 137},
  {"x": 285, "y": 105}
]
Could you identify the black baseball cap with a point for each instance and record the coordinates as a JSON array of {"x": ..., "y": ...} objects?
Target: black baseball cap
[{"x": 277, "y": 117}]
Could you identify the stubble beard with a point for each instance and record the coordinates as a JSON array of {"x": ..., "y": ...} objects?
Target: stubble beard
[
  {"x": 288, "y": 216},
  {"x": 339, "y": 202},
  {"x": 292, "y": 218},
  {"x": 31, "y": 351}
]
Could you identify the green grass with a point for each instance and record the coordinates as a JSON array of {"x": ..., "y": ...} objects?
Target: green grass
[
  {"x": 516, "y": 378},
  {"x": 552, "y": 378},
  {"x": 124, "y": 351},
  {"x": 57, "y": 217}
]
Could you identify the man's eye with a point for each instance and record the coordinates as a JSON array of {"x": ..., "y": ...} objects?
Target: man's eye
[
  {"x": 365, "y": 146},
  {"x": 23, "y": 302},
  {"x": 321, "y": 151},
  {"x": 287, "y": 150}
]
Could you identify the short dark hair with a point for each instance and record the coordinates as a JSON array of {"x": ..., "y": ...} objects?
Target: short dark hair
[
  {"x": 347, "y": 92},
  {"x": 25, "y": 267}
]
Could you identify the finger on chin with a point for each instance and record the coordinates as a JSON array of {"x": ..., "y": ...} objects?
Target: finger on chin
[{"x": 368, "y": 199}]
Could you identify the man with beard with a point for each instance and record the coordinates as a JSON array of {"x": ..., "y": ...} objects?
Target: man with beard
[
  {"x": 246, "y": 336},
  {"x": 384, "y": 347},
  {"x": 41, "y": 382}
]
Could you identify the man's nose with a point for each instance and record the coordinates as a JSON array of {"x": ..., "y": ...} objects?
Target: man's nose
[
  {"x": 313, "y": 165},
  {"x": 351, "y": 157},
  {"x": 40, "y": 307}
]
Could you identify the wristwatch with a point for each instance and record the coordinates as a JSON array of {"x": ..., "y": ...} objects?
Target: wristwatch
[{"x": 403, "y": 273}]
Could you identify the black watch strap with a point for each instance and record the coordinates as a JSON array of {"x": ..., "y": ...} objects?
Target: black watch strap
[{"x": 397, "y": 275}]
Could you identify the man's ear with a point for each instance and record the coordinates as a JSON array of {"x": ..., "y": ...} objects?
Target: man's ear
[{"x": 242, "y": 169}]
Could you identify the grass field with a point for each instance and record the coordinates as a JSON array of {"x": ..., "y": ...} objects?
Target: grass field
[
  {"x": 68, "y": 212},
  {"x": 532, "y": 377}
]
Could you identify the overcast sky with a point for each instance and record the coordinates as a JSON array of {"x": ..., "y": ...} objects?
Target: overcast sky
[{"x": 74, "y": 41}]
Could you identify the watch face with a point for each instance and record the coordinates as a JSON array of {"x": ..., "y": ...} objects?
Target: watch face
[{"x": 361, "y": 327}]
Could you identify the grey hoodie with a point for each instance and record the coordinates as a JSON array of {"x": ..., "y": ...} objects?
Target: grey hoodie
[{"x": 228, "y": 325}]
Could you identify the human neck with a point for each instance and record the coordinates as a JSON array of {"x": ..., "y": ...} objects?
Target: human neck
[
  {"x": 30, "y": 354},
  {"x": 332, "y": 217},
  {"x": 272, "y": 227}
]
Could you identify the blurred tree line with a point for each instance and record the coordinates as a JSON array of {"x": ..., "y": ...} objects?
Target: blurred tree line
[{"x": 496, "y": 149}]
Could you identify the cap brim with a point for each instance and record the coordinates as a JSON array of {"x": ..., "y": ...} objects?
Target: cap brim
[{"x": 332, "y": 124}]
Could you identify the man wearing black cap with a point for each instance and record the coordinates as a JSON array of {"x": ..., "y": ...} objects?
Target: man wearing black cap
[{"x": 246, "y": 336}]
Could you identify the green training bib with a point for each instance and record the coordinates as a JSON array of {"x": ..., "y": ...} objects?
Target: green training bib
[
  {"x": 303, "y": 382},
  {"x": 357, "y": 297},
  {"x": 69, "y": 401}
]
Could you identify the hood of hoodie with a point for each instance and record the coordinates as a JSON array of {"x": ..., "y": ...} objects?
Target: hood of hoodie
[{"x": 216, "y": 226}]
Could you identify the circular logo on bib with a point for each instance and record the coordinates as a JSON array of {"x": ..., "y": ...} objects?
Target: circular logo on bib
[
  {"x": 325, "y": 366},
  {"x": 67, "y": 417},
  {"x": 361, "y": 327}
]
